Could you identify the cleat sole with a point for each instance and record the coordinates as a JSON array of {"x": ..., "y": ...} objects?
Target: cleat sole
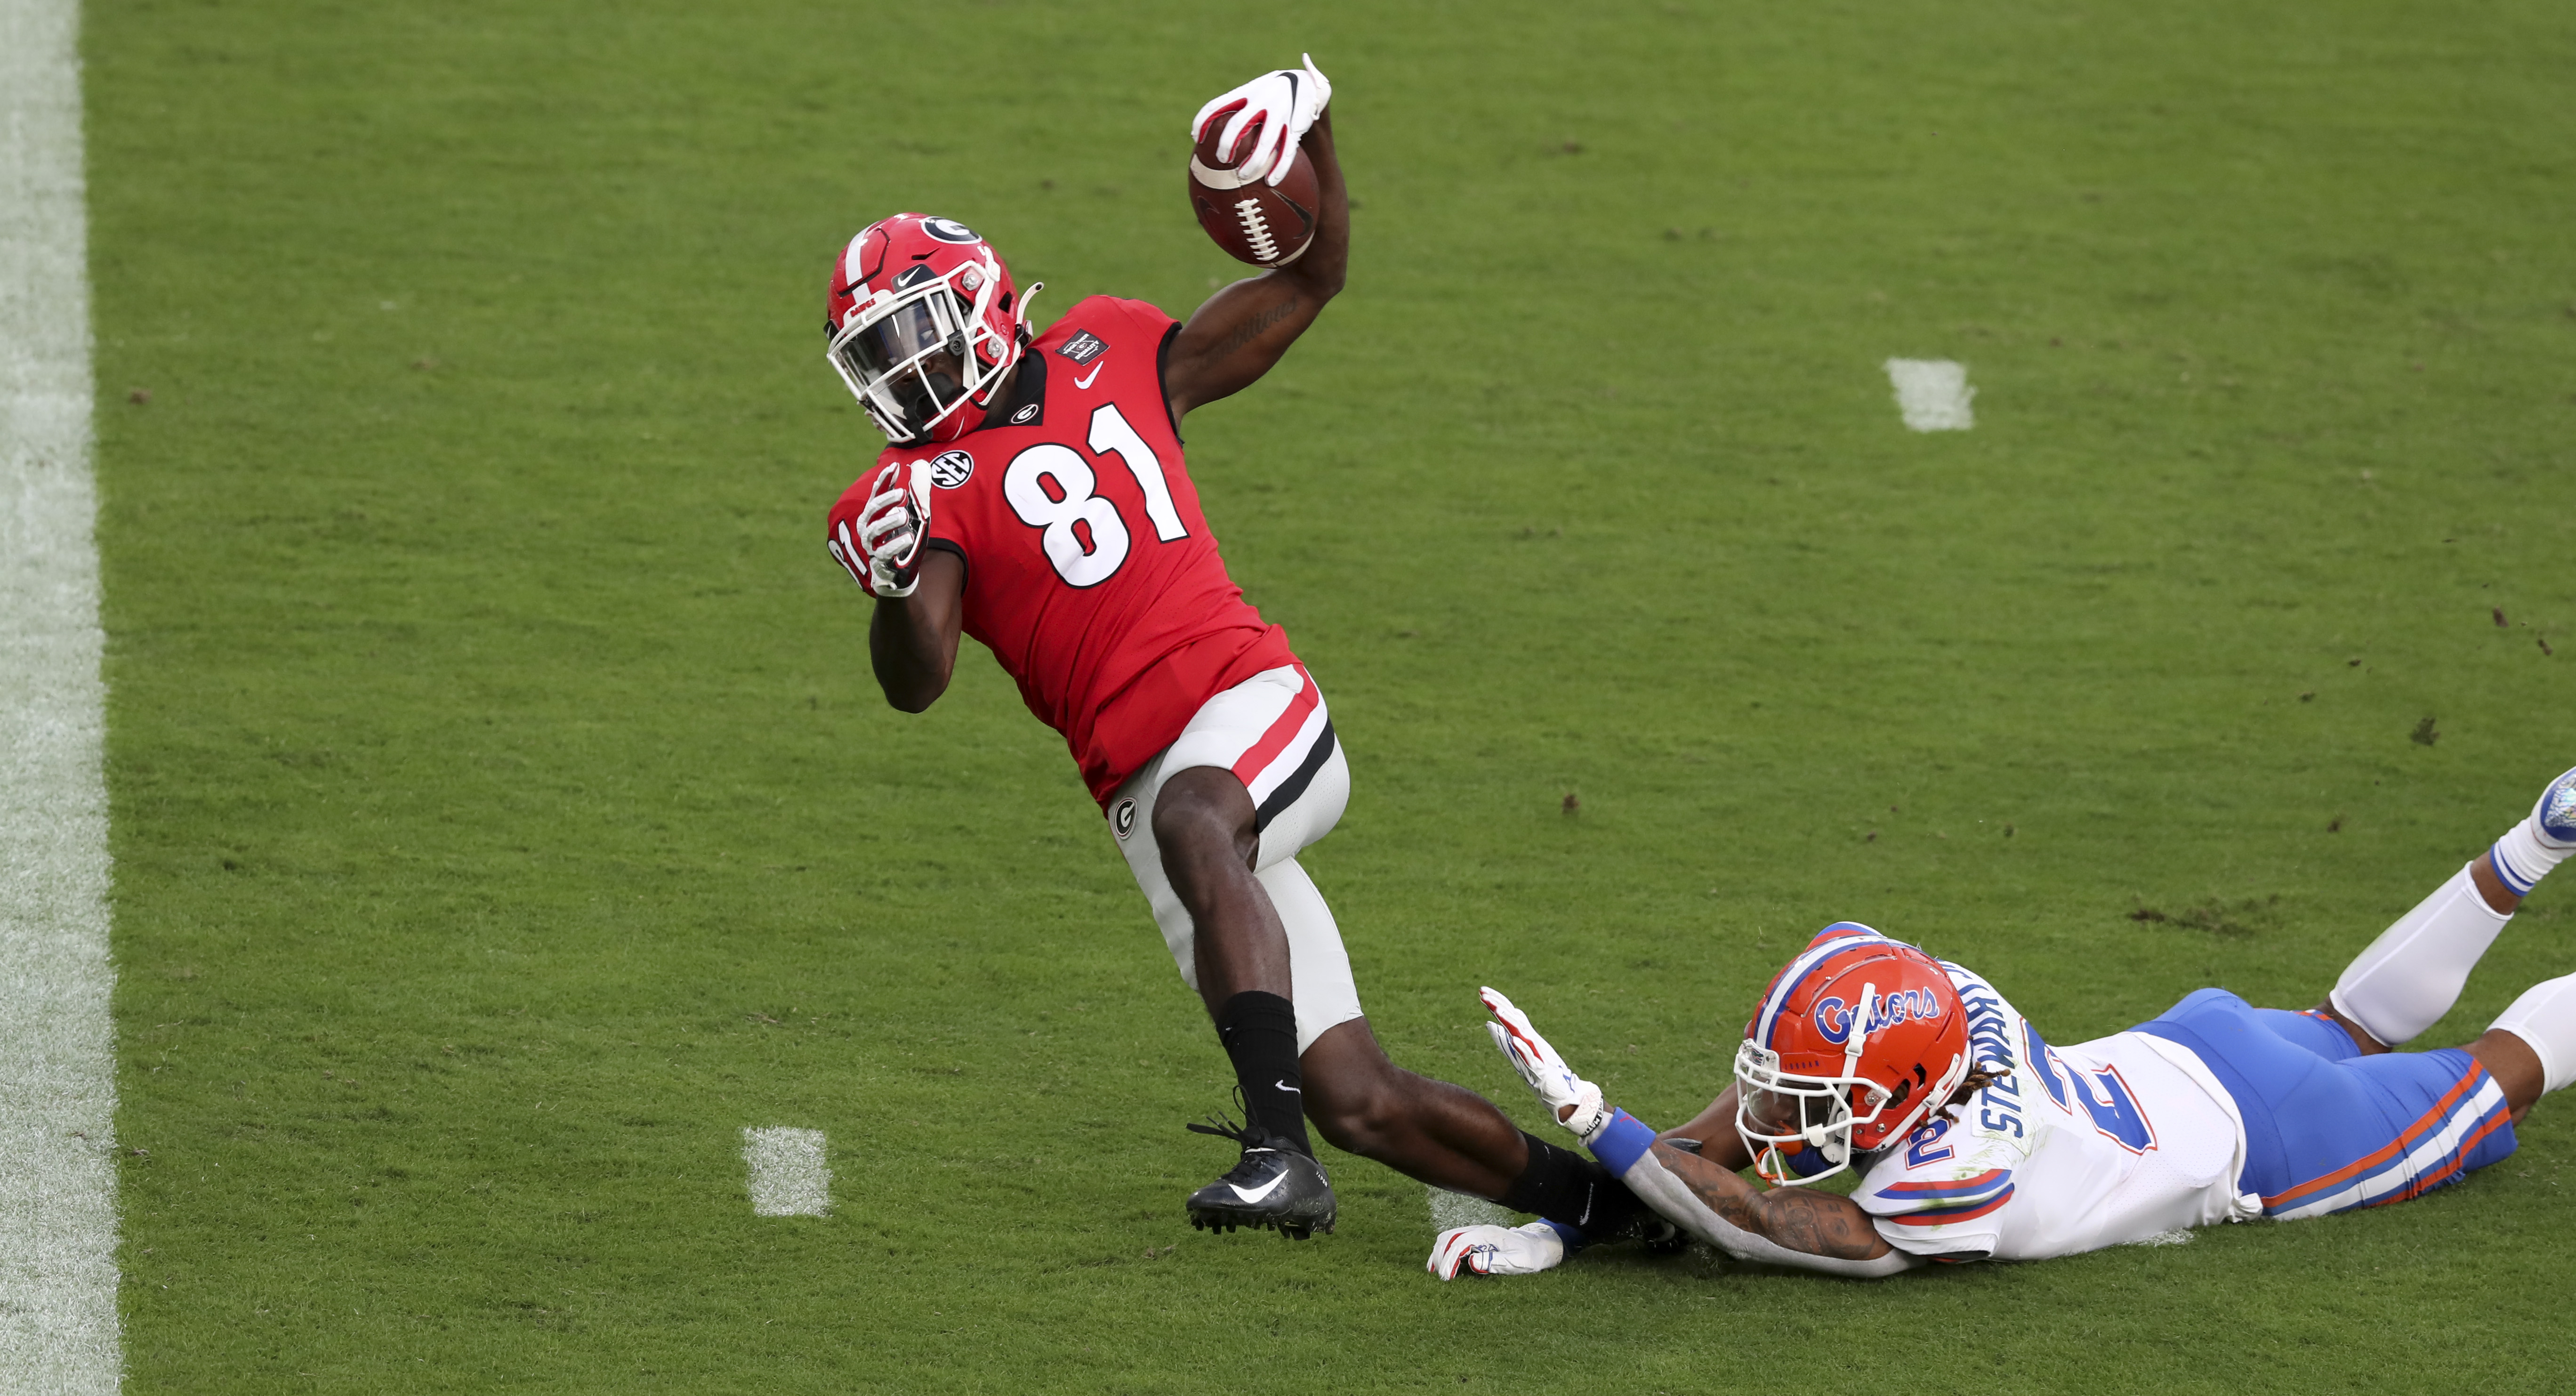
[{"x": 1230, "y": 1222}]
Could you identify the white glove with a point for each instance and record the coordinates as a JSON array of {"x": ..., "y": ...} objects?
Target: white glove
[
  {"x": 1575, "y": 1102},
  {"x": 1495, "y": 1250},
  {"x": 894, "y": 526},
  {"x": 1285, "y": 103}
]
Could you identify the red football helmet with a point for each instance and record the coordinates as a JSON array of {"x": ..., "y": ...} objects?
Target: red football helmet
[
  {"x": 1854, "y": 1043},
  {"x": 923, "y": 322}
]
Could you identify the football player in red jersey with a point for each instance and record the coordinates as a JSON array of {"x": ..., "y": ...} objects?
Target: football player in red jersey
[{"x": 1035, "y": 497}]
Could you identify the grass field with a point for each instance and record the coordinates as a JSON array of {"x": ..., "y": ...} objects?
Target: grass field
[{"x": 504, "y": 817}]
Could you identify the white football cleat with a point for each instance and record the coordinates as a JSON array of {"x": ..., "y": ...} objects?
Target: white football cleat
[{"x": 2555, "y": 815}]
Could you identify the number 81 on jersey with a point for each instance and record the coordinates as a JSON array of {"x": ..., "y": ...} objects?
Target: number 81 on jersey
[{"x": 1052, "y": 488}]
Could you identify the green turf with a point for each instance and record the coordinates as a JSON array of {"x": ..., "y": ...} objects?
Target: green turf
[{"x": 504, "y": 816}]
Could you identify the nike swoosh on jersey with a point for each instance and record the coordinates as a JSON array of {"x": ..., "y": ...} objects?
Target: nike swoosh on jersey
[
  {"x": 1264, "y": 1191},
  {"x": 1292, "y": 1090},
  {"x": 1095, "y": 372}
]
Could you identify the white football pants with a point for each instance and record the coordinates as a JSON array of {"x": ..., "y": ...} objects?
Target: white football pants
[{"x": 1273, "y": 732}]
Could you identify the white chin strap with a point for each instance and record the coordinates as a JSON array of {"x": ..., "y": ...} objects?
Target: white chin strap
[
  {"x": 1861, "y": 1016},
  {"x": 1023, "y": 309},
  {"x": 1021, "y": 331}
]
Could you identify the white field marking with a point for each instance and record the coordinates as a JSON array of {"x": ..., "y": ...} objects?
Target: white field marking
[
  {"x": 2163, "y": 1238},
  {"x": 58, "y": 1323},
  {"x": 1450, "y": 1209},
  {"x": 788, "y": 1175},
  {"x": 1932, "y": 393}
]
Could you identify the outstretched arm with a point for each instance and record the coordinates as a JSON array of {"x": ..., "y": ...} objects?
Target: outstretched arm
[
  {"x": 1801, "y": 1225},
  {"x": 1242, "y": 330},
  {"x": 1779, "y": 1226}
]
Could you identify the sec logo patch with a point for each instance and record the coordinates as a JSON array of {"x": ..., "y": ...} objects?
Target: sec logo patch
[
  {"x": 950, "y": 469},
  {"x": 1124, "y": 821}
]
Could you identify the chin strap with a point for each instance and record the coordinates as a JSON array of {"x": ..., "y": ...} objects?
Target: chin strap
[
  {"x": 1020, "y": 337},
  {"x": 1862, "y": 1017},
  {"x": 1021, "y": 334},
  {"x": 1026, "y": 332}
]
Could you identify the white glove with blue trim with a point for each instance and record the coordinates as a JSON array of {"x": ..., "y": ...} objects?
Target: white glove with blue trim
[
  {"x": 1574, "y": 1102},
  {"x": 1496, "y": 1250}
]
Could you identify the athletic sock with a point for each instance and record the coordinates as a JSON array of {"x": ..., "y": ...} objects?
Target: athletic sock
[
  {"x": 2412, "y": 974},
  {"x": 1566, "y": 1188},
  {"x": 2525, "y": 855},
  {"x": 2545, "y": 1019},
  {"x": 1259, "y": 1031}
]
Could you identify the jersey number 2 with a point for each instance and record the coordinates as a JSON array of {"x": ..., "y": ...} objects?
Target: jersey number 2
[
  {"x": 1093, "y": 554},
  {"x": 2114, "y": 1109}
]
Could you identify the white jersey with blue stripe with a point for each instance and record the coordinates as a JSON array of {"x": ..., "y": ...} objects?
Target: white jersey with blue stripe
[{"x": 2100, "y": 1144}]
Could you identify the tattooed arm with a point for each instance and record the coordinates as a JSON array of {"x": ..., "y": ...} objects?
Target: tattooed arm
[
  {"x": 1811, "y": 1224},
  {"x": 1777, "y": 1226},
  {"x": 1242, "y": 330}
]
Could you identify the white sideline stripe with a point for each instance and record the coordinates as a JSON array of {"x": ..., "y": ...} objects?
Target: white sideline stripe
[
  {"x": 788, "y": 1175},
  {"x": 1450, "y": 1209},
  {"x": 1932, "y": 393},
  {"x": 2162, "y": 1238},
  {"x": 58, "y": 1322}
]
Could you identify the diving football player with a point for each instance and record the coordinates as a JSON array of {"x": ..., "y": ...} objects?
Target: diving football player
[
  {"x": 1035, "y": 496},
  {"x": 1975, "y": 1138}
]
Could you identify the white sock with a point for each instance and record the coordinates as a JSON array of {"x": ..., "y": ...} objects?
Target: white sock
[
  {"x": 2523, "y": 856},
  {"x": 2412, "y": 974},
  {"x": 2545, "y": 1019}
]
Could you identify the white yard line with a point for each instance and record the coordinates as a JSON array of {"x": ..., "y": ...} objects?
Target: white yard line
[
  {"x": 58, "y": 1324},
  {"x": 1450, "y": 1209},
  {"x": 1933, "y": 394},
  {"x": 788, "y": 1175}
]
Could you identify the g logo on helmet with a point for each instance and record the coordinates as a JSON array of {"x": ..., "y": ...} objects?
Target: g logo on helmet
[
  {"x": 950, "y": 469},
  {"x": 948, "y": 230},
  {"x": 1833, "y": 1020}
]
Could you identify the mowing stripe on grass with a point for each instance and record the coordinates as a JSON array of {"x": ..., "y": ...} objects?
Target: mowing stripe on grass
[
  {"x": 788, "y": 1175},
  {"x": 1933, "y": 394},
  {"x": 58, "y": 1324}
]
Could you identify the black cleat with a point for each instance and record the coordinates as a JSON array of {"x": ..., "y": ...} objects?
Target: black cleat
[{"x": 1273, "y": 1186}]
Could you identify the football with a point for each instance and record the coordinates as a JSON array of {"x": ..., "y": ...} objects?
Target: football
[{"x": 1253, "y": 220}]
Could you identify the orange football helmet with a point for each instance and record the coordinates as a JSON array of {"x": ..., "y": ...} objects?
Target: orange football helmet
[{"x": 1854, "y": 1043}]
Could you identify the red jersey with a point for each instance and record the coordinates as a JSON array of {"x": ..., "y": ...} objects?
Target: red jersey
[{"x": 1090, "y": 572}]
